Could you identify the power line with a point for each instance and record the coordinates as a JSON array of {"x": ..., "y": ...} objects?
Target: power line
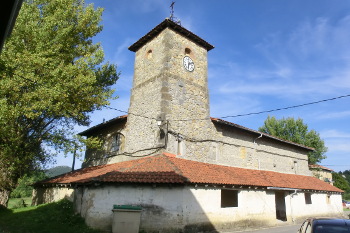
[
  {"x": 246, "y": 114},
  {"x": 130, "y": 113},
  {"x": 327, "y": 165},
  {"x": 295, "y": 106}
]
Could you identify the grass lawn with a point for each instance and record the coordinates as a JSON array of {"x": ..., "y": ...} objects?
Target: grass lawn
[
  {"x": 55, "y": 217},
  {"x": 18, "y": 202}
]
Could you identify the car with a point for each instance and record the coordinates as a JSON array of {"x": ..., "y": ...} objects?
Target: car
[
  {"x": 325, "y": 225},
  {"x": 346, "y": 204}
]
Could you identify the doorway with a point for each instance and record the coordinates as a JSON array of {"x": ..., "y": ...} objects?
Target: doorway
[{"x": 280, "y": 206}]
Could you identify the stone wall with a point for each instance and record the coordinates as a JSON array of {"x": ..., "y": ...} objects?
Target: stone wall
[
  {"x": 323, "y": 175},
  {"x": 51, "y": 194},
  {"x": 164, "y": 90},
  {"x": 95, "y": 157}
]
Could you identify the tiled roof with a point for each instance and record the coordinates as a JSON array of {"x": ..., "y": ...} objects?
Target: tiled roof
[
  {"x": 105, "y": 124},
  {"x": 167, "y": 23},
  {"x": 316, "y": 166},
  {"x": 168, "y": 169}
]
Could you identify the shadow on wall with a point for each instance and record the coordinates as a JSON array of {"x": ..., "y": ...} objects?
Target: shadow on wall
[
  {"x": 94, "y": 157},
  {"x": 165, "y": 208},
  {"x": 51, "y": 194}
]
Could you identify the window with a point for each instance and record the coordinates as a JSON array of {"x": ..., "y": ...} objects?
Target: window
[
  {"x": 308, "y": 198},
  {"x": 187, "y": 51},
  {"x": 149, "y": 54},
  {"x": 328, "y": 199},
  {"x": 229, "y": 198},
  {"x": 116, "y": 142}
]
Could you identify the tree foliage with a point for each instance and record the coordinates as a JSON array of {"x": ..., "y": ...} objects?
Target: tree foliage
[
  {"x": 52, "y": 76},
  {"x": 346, "y": 175},
  {"x": 296, "y": 131},
  {"x": 23, "y": 188},
  {"x": 340, "y": 182}
]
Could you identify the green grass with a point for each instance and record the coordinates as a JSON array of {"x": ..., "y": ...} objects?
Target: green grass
[
  {"x": 18, "y": 202},
  {"x": 55, "y": 217}
]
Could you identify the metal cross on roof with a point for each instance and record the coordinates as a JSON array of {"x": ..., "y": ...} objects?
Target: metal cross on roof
[{"x": 172, "y": 17}]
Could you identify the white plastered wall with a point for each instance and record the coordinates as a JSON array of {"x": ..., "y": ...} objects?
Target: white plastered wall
[{"x": 175, "y": 208}]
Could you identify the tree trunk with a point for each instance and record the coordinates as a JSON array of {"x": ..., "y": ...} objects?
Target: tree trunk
[{"x": 4, "y": 198}]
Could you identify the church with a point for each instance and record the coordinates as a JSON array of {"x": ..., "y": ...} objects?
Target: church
[{"x": 187, "y": 171}]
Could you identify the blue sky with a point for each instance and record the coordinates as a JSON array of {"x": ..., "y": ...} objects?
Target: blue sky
[{"x": 268, "y": 54}]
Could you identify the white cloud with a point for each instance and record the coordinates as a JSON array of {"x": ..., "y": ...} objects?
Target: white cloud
[
  {"x": 232, "y": 105},
  {"x": 335, "y": 115},
  {"x": 335, "y": 134},
  {"x": 121, "y": 55},
  {"x": 310, "y": 62},
  {"x": 338, "y": 145}
]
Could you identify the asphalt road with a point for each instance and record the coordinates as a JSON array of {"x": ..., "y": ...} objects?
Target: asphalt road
[{"x": 279, "y": 229}]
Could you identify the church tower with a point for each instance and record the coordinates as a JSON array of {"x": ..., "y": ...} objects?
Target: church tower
[{"x": 169, "y": 98}]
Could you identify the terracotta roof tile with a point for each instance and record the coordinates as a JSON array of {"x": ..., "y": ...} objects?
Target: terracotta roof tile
[
  {"x": 167, "y": 168},
  {"x": 316, "y": 166}
]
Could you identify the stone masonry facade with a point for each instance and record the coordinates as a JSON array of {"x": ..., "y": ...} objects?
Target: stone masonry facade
[{"x": 163, "y": 90}]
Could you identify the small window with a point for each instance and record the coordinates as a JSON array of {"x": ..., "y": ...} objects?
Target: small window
[
  {"x": 187, "y": 51},
  {"x": 149, "y": 54},
  {"x": 229, "y": 198},
  {"x": 116, "y": 142},
  {"x": 308, "y": 198},
  {"x": 328, "y": 199}
]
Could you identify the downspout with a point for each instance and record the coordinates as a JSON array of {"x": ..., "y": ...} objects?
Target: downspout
[
  {"x": 258, "y": 138},
  {"x": 291, "y": 206},
  {"x": 255, "y": 149}
]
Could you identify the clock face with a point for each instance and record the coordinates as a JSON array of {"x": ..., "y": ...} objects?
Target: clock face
[{"x": 188, "y": 63}]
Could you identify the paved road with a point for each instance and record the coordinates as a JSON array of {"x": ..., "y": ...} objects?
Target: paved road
[{"x": 280, "y": 229}]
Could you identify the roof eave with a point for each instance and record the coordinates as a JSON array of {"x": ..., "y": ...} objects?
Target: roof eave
[
  {"x": 167, "y": 23},
  {"x": 220, "y": 121},
  {"x": 95, "y": 128}
]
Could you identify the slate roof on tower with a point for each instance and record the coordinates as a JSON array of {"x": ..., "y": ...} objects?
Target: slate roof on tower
[
  {"x": 166, "y": 168},
  {"x": 167, "y": 23}
]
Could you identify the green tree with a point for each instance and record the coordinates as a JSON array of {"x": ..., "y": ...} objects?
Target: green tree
[
  {"x": 23, "y": 188},
  {"x": 52, "y": 76},
  {"x": 346, "y": 173},
  {"x": 296, "y": 131},
  {"x": 340, "y": 182}
]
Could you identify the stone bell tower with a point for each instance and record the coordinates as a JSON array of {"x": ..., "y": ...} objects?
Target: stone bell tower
[{"x": 169, "y": 100}]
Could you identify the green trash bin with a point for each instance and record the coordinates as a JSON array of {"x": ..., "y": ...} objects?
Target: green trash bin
[{"x": 126, "y": 219}]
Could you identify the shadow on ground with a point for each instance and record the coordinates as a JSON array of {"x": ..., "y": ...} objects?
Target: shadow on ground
[{"x": 55, "y": 217}]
